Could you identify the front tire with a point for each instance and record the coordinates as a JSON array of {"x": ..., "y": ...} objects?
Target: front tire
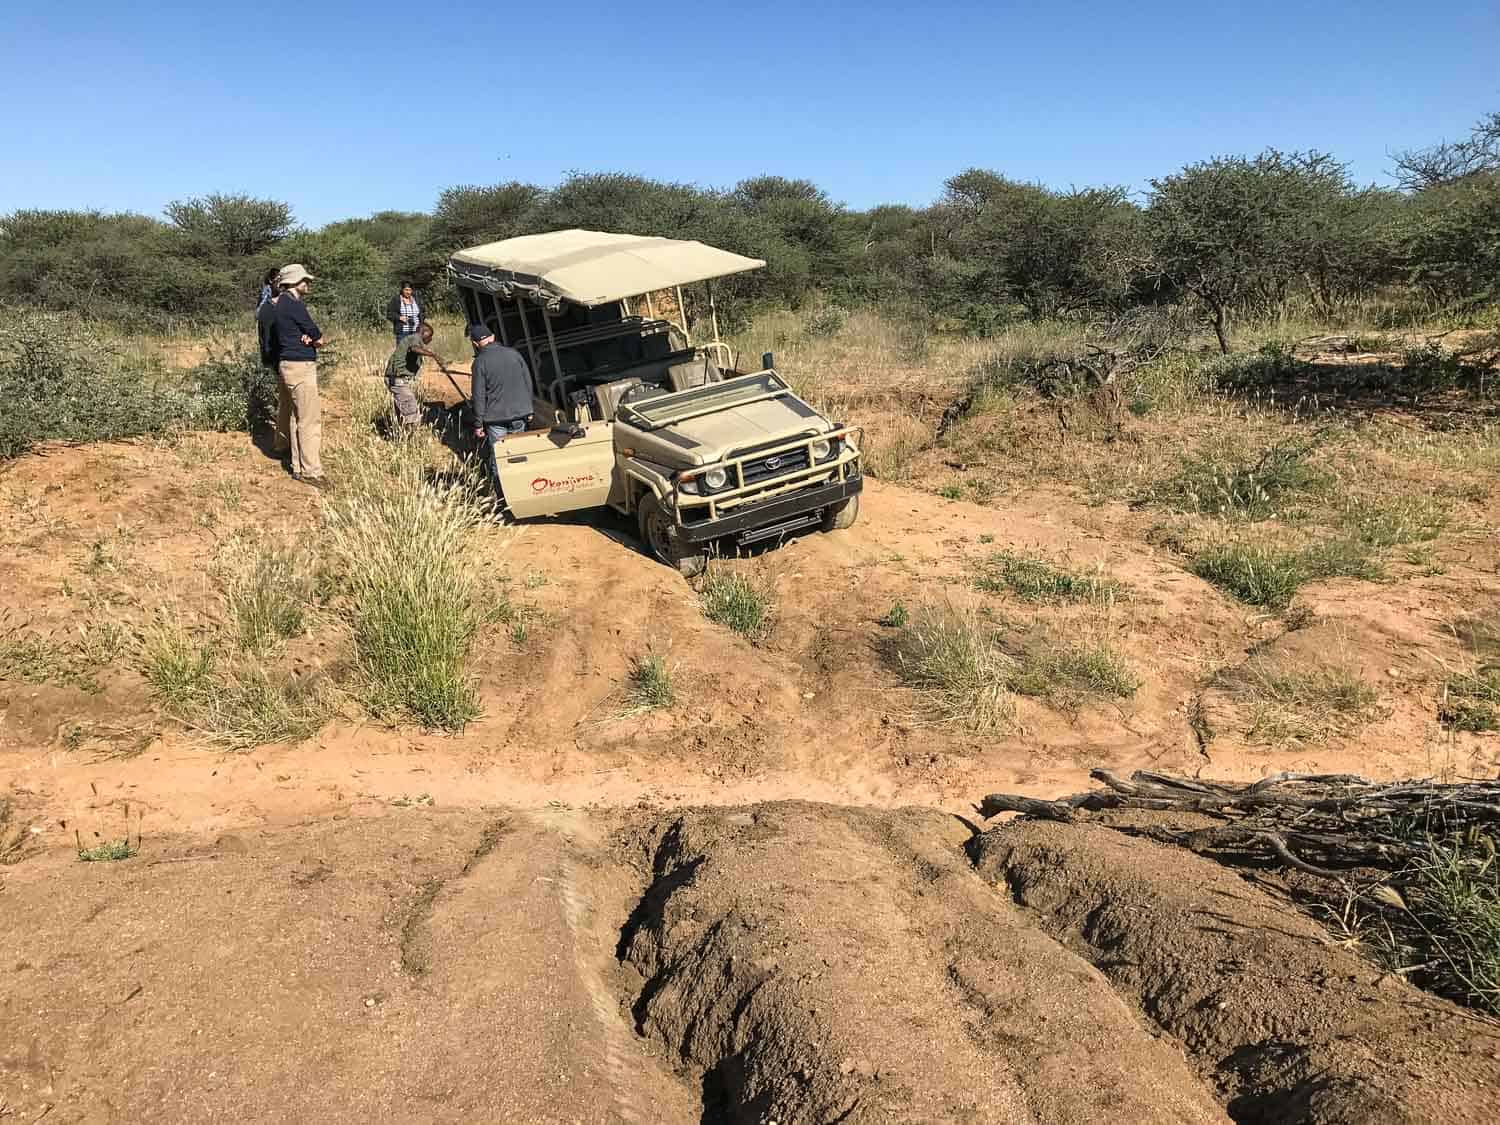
[
  {"x": 841, "y": 516},
  {"x": 659, "y": 534}
]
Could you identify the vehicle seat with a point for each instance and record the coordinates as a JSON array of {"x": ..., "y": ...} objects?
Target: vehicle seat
[
  {"x": 693, "y": 371},
  {"x": 609, "y": 395}
]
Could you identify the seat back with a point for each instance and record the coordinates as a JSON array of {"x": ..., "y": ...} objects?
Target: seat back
[
  {"x": 609, "y": 395},
  {"x": 691, "y": 371}
]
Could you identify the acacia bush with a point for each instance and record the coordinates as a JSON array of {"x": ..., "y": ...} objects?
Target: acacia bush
[
  {"x": 62, "y": 380},
  {"x": 1230, "y": 238}
]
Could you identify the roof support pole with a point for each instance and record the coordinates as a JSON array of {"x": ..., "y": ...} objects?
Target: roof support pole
[
  {"x": 682, "y": 312},
  {"x": 557, "y": 371},
  {"x": 526, "y": 329},
  {"x": 499, "y": 318}
]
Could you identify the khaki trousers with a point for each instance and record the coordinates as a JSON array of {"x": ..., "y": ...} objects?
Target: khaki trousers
[{"x": 300, "y": 416}]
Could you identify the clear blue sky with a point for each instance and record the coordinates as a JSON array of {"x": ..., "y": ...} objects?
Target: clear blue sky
[{"x": 345, "y": 108}]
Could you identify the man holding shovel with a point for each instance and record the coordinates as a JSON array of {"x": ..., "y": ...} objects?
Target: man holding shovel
[{"x": 404, "y": 370}]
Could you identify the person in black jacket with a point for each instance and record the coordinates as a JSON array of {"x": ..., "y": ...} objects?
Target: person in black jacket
[
  {"x": 298, "y": 339},
  {"x": 270, "y": 359},
  {"x": 500, "y": 394},
  {"x": 405, "y": 312}
]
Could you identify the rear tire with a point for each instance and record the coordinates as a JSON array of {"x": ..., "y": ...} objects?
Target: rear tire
[
  {"x": 659, "y": 534},
  {"x": 841, "y": 516}
]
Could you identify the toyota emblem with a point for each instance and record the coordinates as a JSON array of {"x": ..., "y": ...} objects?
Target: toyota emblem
[{"x": 773, "y": 462}]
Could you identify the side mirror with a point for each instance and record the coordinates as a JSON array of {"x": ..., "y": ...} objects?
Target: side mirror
[{"x": 767, "y": 360}]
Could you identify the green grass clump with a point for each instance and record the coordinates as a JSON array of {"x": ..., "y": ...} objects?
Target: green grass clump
[
  {"x": 953, "y": 659},
  {"x": 177, "y": 668},
  {"x": 1251, "y": 487},
  {"x": 1391, "y": 521},
  {"x": 1298, "y": 702},
  {"x": 107, "y": 852},
  {"x": 737, "y": 602},
  {"x": 1070, "y": 672},
  {"x": 650, "y": 685},
  {"x": 1253, "y": 573},
  {"x": 73, "y": 661},
  {"x": 417, "y": 603},
  {"x": 1445, "y": 933},
  {"x": 1270, "y": 576},
  {"x": 1037, "y": 580},
  {"x": 268, "y": 599},
  {"x": 1341, "y": 558},
  {"x": 240, "y": 704},
  {"x": 1471, "y": 701},
  {"x": 896, "y": 617}
]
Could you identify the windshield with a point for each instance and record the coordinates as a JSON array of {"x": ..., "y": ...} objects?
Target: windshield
[{"x": 660, "y": 410}]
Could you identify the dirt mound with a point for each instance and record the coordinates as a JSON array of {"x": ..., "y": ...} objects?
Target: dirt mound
[
  {"x": 1288, "y": 1025},
  {"x": 787, "y": 962},
  {"x": 419, "y": 967},
  {"x": 828, "y": 964}
]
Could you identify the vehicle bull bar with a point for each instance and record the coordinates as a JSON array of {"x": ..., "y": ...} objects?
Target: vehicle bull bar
[{"x": 727, "y": 501}]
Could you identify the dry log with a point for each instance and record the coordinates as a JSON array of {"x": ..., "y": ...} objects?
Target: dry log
[{"x": 1345, "y": 821}]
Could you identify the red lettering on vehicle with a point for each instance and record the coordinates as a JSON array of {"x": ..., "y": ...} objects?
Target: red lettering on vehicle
[{"x": 565, "y": 484}]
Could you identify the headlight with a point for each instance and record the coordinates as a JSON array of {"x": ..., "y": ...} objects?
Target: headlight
[
  {"x": 688, "y": 484},
  {"x": 715, "y": 479},
  {"x": 822, "y": 449}
]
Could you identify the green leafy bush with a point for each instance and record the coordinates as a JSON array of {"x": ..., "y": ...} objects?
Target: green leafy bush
[
  {"x": 61, "y": 380},
  {"x": 1271, "y": 366},
  {"x": 827, "y": 320},
  {"x": 239, "y": 375}
]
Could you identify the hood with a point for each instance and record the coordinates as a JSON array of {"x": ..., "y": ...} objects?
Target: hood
[
  {"x": 740, "y": 427},
  {"x": 702, "y": 439}
]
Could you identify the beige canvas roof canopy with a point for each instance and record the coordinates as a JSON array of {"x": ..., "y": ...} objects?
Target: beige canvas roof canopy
[{"x": 590, "y": 267}]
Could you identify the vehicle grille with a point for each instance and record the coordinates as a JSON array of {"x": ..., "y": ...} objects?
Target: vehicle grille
[{"x": 776, "y": 465}]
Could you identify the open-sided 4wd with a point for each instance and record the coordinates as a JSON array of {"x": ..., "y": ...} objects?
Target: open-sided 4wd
[{"x": 630, "y": 414}]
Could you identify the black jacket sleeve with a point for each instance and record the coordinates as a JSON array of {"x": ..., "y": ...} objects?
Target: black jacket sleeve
[
  {"x": 305, "y": 323},
  {"x": 393, "y": 311},
  {"x": 477, "y": 390}
]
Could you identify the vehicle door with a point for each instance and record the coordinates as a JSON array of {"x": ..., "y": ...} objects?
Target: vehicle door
[{"x": 543, "y": 472}]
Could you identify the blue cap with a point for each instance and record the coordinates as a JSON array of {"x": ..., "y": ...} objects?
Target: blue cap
[{"x": 479, "y": 332}]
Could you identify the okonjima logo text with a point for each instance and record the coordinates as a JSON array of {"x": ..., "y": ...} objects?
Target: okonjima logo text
[{"x": 566, "y": 484}]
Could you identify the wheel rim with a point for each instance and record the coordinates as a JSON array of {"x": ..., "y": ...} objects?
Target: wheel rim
[{"x": 658, "y": 536}]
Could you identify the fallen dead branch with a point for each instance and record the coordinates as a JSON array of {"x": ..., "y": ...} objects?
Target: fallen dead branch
[
  {"x": 1438, "y": 842},
  {"x": 1316, "y": 823}
]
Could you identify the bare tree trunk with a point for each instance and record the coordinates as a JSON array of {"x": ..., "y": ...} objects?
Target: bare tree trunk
[{"x": 1221, "y": 328}]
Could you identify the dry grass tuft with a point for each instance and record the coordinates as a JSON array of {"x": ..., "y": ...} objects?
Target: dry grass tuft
[
  {"x": 953, "y": 658},
  {"x": 1299, "y": 702}
]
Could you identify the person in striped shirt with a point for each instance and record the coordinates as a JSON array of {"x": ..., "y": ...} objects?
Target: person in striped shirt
[{"x": 405, "y": 312}]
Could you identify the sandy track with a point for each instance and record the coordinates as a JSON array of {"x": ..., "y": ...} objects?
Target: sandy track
[{"x": 811, "y": 712}]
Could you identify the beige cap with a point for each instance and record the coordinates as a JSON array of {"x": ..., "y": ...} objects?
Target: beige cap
[{"x": 292, "y": 274}]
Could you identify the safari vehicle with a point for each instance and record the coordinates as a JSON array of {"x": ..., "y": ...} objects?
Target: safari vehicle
[{"x": 630, "y": 414}]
